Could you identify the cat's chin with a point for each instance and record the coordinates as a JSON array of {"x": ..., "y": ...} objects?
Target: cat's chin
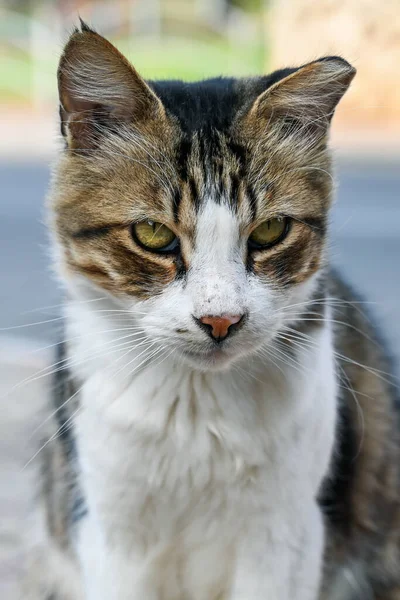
[{"x": 215, "y": 360}]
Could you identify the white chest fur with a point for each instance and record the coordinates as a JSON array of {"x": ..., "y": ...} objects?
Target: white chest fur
[{"x": 203, "y": 486}]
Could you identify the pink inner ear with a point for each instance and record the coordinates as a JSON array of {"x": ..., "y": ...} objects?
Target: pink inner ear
[{"x": 73, "y": 104}]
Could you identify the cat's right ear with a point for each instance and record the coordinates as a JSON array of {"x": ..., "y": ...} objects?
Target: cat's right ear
[{"x": 98, "y": 90}]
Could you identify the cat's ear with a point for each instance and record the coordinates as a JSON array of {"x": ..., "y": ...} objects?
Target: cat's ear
[
  {"x": 99, "y": 89},
  {"x": 304, "y": 101}
]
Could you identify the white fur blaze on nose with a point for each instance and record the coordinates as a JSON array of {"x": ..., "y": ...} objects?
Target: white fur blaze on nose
[
  {"x": 217, "y": 278},
  {"x": 217, "y": 232}
]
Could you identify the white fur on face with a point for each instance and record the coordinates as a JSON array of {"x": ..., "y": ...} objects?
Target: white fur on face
[{"x": 218, "y": 283}]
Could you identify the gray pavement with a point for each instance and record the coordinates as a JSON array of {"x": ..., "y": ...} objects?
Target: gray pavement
[{"x": 365, "y": 243}]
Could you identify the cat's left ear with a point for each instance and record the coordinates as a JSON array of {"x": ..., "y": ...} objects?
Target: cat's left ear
[{"x": 305, "y": 100}]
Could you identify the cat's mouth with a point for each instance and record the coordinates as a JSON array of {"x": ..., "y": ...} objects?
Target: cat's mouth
[
  {"x": 219, "y": 354},
  {"x": 216, "y": 357}
]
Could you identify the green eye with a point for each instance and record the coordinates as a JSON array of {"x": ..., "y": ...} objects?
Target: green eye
[
  {"x": 154, "y": 236},
  {"x": 269, "y": 233}
]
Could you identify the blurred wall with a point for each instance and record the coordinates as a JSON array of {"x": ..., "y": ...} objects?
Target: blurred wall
[{"x": 365, "y": 32}]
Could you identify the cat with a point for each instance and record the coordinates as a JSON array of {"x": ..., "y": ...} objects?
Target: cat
[{"x": 228, "y": 427}]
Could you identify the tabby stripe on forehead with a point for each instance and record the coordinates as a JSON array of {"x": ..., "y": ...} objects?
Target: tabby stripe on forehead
[
  {"x": 234, "y": 192},
  {"x": 220, "y": 181},
  {"x": 194, "y": 193},
  {"x": 183, "y": 152},
  {"x": 176, "y": 202},
  {"x": 240, "y": 154},
  {"x": 252, "y": 201}
]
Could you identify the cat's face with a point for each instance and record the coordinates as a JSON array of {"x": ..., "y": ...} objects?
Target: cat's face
[{"x": 200, "y": 208}]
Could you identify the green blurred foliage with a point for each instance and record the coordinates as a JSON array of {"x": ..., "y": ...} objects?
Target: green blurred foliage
[
  {"x": 185, "y": 48},
  {"x": 248, "y": 5},
  {"x": 193, "y": 59}
]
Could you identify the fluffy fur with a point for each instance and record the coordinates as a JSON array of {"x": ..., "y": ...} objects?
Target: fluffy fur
[{"x": 215, "y": 471}]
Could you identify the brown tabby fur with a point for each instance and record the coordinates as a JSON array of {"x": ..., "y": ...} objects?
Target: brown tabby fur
[
  {"x": 367, "y": 536},
  {"x": 128, "y": 157}
]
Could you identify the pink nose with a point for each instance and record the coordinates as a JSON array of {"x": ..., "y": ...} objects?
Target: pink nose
[{"x": 219, "y": 326}]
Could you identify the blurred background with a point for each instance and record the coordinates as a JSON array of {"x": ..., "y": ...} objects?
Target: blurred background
[
  {"x": 185, "y": 39},
  {"x": 193, "y": 39}
]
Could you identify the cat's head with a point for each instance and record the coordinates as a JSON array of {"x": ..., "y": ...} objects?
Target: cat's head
[{"x": 202, "y": 207}]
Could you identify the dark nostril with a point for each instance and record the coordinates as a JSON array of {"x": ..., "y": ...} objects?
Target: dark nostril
[{"x": 219, "y": 327}]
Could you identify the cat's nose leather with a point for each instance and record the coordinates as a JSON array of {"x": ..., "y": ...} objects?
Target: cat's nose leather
[{"x": 219, "y": 327}]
